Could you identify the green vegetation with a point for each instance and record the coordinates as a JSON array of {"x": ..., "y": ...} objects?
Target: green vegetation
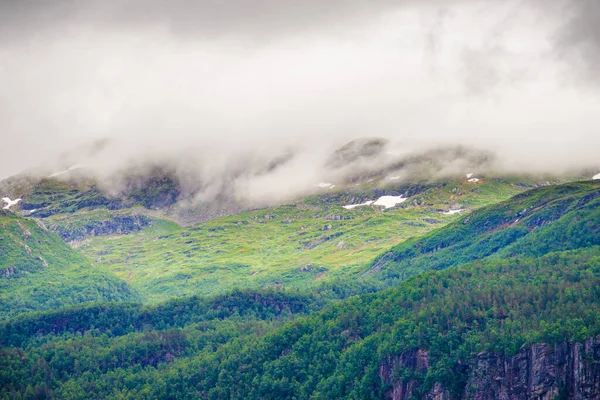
[
  {"x": 534, "y": 223},
  {"x": 495, "y": 305},
  {"x": 299, "y": 245},
  {"x": 82, "y": 224},
  {"x": 331, "y": 297},
  {"x": 39, "y": 271},
  {"x": 53, "y": 196},
  {"x": 104, "y": 338}
]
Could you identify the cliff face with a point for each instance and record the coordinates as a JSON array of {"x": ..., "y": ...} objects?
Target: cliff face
[
  {"x": 541, "y": 372},
  {"x": 415, "y": 361}
]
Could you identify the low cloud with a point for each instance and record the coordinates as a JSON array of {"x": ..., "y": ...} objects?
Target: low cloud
[{"x": 256, "y": 96}]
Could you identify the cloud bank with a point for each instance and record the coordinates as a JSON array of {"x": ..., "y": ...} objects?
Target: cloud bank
[{"x": 224, "y": 88}]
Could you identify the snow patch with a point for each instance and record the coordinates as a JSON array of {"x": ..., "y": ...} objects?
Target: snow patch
[
  {"x": 9, "y": 202},
  {"x": 71, "y": 168},
  {"x": 384, "y": 201},
  {"x": 473, "y": 180},
  {"x": 469, "y": 175},
  {"x": 451, "y": 212},
  {"x": 366, "y": 203},
  {"x": 596, "y": 177},
  {"x": 325, "y": 185},
  {"x": 389, "y": 201}
]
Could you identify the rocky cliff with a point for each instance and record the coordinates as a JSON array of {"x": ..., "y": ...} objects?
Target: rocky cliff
[{"x": 541, "y": 372}]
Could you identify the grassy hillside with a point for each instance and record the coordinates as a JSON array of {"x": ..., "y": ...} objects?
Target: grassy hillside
[
  {"x": 39, "y": 271},
  {"x": 534, "y": 223},
  {"x": 297, "y": 245}
]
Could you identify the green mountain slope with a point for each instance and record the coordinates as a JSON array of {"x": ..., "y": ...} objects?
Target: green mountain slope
[
  {"x": 534, "y": 223},
  {"x": 451, "y": 316},
  {"x": 430, "y": 333},
  {"x": 298, "y": 245},
  {"x": 39, "y": 271}
]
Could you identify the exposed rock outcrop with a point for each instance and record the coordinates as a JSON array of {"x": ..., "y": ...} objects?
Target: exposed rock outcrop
[
  {"x": 567, "y": 370},
  {"x": 414, "y": 361},
  {"x": 116, "y": 225},
  {"x": 337, "y": 217},
  {"x": 541, "y": 372}
]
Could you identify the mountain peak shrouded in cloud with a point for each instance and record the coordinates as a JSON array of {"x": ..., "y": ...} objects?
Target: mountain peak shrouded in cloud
[
  {"x": 251, "y": 178},
  {"x": 270, "y": 89}
]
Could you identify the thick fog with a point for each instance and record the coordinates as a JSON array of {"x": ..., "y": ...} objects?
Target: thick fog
[{"x": 258, "y": 94}]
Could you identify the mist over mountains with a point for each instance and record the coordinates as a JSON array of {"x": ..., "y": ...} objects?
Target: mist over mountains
[
  {"x": 266, "y": 176},
  {"x": 232, "y": 86}
]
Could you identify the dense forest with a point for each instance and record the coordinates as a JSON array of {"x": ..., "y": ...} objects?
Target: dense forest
[{"x": 236, "y": 346}]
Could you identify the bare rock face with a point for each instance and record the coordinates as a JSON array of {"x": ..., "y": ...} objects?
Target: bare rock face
[
  {"x": 567, "y": 370},
  {"x": 540, "y": 372},
  {"x": 113, "y": 225},
  {"x": 412, "y": 361}
]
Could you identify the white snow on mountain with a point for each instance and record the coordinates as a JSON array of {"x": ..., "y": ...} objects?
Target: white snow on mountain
[
  {"x": 71, "y": 168},
  {"x": 451, "y": 212},
  {"x": 389, "y": 201},
  {"x": 325, "y": 185},
  {"x": 384, "y": 201},
  {"x": 351, "y": 206},
  {"x": 9, "y": 202}
]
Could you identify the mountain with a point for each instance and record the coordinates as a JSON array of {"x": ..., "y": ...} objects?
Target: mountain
[
  {"x": 303, "y": 244},
  {"x": 188, "y": 191},
  {"x": 142, "y": 225},
  {"x": 39, "y": 271},
  {"x": 514, "y": 315},
  {"x": 534, "y": 223},
  {"x": 394, "y": 277}
]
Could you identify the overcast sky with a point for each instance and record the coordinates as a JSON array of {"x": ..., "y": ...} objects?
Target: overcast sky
[{"x": 518, "y": 77}]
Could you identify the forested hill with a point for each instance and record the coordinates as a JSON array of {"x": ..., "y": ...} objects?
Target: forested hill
[
  {"x": 531, "y": 224},
  {"x": 429, "y": 333}
]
